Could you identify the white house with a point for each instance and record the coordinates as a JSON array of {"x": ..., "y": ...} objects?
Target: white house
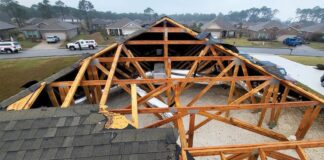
[{"x": 123, "y": 27}]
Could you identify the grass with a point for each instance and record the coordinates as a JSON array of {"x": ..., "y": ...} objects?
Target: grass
[
  {"x": 243, "y": 42},
  {"x": 27, "y": 43},
  {"x": 96, "y": 36},
  {"x": 316, "y": 45},
  {"x": 306, "y": 60},
  {"x": 15, "y": 73},
  {"x": 310, "y": 90}
]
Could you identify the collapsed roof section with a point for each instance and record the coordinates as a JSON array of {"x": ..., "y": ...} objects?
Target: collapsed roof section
[{"x": 167, "y": 59}]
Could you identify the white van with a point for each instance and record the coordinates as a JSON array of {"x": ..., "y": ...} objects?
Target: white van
[{"x": 10, "y": 47}]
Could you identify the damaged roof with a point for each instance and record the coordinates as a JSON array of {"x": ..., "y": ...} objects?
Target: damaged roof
[{"x": 78, "y": 133}]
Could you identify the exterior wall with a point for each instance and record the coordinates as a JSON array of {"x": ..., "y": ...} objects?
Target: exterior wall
[
  {"x": 32, "y": 34},
  {"x": 130, "y": 28},
  {"x": 72, "y": 33},
  {"x": 61, "y": 34}
]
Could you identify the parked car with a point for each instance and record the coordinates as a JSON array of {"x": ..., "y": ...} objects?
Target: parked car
[
  {"x": 10, "y": 47},
  {"x": 322, "y": 80},
  {"x": 52, "y": 39},
  {"x": 295, "y": 41},
  {"x": 276, "y": 70},
  {"x": 82, "y": 44}
]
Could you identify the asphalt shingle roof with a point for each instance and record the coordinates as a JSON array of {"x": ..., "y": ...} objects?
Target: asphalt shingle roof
[
  {"x": 4, "y": 25},
  {"x": 78, "y": 133},
  {"x": 121, "y": 23},
  {"x": 314, "y": 28},
  {"x": 51, "y": 24},
  {"x": 223, "y": 24},
  {"x": 266, "y": 25}
]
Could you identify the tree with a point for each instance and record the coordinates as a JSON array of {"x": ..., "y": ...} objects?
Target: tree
[
  {"x": 45, "y": 9},
  {"x": 62, "y": 8},
  {"x": 86, "y": 7},
  {"x": 14, "y": 10},
  {"x": 315, "y": 14},
  {"x": 149, "y": 12}
]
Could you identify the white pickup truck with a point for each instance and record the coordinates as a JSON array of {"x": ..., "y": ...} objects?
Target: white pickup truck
[{"x": 82, "y": 44}]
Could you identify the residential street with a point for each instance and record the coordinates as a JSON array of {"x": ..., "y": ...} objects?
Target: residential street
[
  {"x": 298, "y": 51},
  {"x": 46, "y": 53},
  {"x": 307, "y": 75}
]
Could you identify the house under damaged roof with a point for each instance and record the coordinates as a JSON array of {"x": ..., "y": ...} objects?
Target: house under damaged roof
[{"x": 135, "y": 88}]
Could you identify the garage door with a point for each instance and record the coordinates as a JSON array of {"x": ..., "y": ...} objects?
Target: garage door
[{"x": 61, "y": 35}]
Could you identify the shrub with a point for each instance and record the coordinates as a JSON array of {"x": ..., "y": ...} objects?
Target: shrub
[{"x": 320, "y": 66}]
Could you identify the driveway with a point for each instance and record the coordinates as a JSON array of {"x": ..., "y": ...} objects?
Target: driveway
[
  {"x": 300, "y": 51},
  {"x": 45, "y": 45},
  {"x": 307, "y": 75},
  {"x": 47, "y": 53}
]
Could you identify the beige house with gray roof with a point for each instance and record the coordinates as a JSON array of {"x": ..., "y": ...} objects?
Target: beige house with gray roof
[{"x": 50, "y": 27}]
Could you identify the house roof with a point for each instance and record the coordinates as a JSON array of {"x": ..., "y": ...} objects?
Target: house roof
[
  {"x": 121, "y": 23},
  {"x": 78, "y": 133},
  {"x": 221, "y": 23},
  {"x": 266, "y": 25},
  {"x": 4, "y": 26},
  {"x": 51, "y": 24},
  {"x": 34, "y": 20},
  {"x": 314, "y": 28},
  {"x": 101, "y": 21}
]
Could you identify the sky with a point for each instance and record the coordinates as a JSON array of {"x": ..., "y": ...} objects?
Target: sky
[{"x": 287, "y": 8}]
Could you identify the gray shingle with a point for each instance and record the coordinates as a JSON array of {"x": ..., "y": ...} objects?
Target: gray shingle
[
  {"x": 64, "y": 153},
  {"x": 83, "y": 130},
  {"x": 28, "y": 133},
  {"x": 99, "y": 127},
  {"x": 11, "y": 145},
  {"x": 10, "y": 125},
  {"x": 101, "y": 150},
  {"x": 31, "y": 144},
  {"x": 24, "y": 124},
  {"x": 94, "y": 118},
  {"x": 3, "y": 125},
  {"x": 66, "y": 131},
  {"x": 11, "y": 135},
  {"x": 52, "y": 142},
  {"x": 82, "y": 140},
  {"x": 50, "y": 132},
  {"x": 61, "y": 122},
  {"x": 33, "y": 154},
  {"x": 75, "y": 121},
  {"x": 68, "y": 142}
]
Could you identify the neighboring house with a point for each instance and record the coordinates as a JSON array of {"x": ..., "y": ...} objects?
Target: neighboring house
[
  {"x": 6, "y": 30},
  {"x": 70, "y": 19},
  {"x": 33, "y": 21},
  {"x": 100, "y": 23},
  {"x": 123, "y": 27},
  {"x": 310, "y": 31},
  {"x": 288, "y": 32},
  {"x": 220, "y": 28},
  {"x": 265, "y": 30},
  {"x": 50, "y": 27}
]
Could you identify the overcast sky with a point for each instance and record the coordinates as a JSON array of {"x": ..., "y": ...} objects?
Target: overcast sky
[{"x": 286, "y": 8}]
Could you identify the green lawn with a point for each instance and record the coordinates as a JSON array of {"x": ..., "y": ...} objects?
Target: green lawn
[
  {"x": 306, "y": 60},
  {"x": 243, "y": 42},
  {"x": 15, "y": 73},
  {"x": 316, "y": 45},
  {"x": 28, "y": 43},
  {"x": 96, "y": 36}
]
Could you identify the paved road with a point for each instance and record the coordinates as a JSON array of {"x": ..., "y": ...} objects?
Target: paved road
[
  {"x": 307, "y": 75},
  {"x": 46, "y": 53},
  {"x": 300, "y": 51}
]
